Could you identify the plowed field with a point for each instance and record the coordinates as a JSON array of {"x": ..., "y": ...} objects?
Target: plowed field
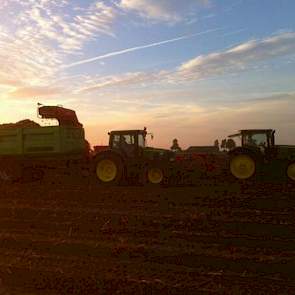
[{"x": 84, "y": 239}]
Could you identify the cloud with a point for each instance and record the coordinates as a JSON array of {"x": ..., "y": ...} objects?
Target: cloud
[
  {"x": 163, "y": 10},
  {"x": 238, "y": 58},
  {"x": 48, "y": 19},
  {"x": 123, "y": 80},
  {"x": 9, "y": 82},
  {"x": 29, "y": 92},
  {"x": 113, "y": 80},
  {"x": 274, "y": 98},
  {"x": 36, "y": 36}
]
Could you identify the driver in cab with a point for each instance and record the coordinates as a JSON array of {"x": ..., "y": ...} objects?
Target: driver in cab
[{"x": 125, "y": 146}]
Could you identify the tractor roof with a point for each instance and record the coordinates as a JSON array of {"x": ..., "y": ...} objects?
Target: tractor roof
[
  {"x": 243, "y": 131},
  {"x": 128, "y": 131},
  {"x": 256, "y": 130}
]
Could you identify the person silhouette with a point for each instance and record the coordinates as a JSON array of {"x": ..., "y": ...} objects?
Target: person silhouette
[{"x": 175, "y": 147}]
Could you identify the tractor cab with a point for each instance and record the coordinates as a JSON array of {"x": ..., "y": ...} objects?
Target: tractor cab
[
  {"x": 259, "y": 139},
  {"x": 129, "y": 142}
]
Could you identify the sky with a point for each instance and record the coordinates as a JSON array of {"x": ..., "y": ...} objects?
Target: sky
[{"x": 195, "y": 70}]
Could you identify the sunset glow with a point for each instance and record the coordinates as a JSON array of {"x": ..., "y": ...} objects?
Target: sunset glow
[{"x": 196, "y": 69}]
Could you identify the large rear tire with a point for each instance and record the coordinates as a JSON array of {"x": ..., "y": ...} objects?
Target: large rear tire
[
  {"x": 291, "y": 172},
  {"x": 109, "y": 170},
  {"x": 243, "y": 166}
]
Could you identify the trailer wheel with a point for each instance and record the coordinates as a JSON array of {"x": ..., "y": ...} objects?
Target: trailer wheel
[
  {"x": 155, "y": 175},
  {"x": 109, "y": 170},
  {"x": 242, "y": 166},
  {"x": 291, "y": 171}
]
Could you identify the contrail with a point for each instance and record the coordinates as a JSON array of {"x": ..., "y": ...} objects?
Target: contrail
[{"x": 119, "y": 52}]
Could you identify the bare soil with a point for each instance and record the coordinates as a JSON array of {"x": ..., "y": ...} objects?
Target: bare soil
[{"x": 207, "y": 239}]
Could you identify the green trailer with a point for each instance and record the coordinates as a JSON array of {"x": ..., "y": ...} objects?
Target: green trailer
[
  {"x": 41, "y": 140},
  {"x": 26, "y": 152}
]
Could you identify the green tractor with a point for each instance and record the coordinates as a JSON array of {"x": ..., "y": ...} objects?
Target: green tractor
[
  {"x": 259, "y": 156},
  {"x": 128, "y": 159}
]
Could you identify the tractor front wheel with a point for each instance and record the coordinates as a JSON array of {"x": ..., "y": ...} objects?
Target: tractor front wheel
[
  {"x": 155, "y": 175},
  {"x": 242, "y": 166}
]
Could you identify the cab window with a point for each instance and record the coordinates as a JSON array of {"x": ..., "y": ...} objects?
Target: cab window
[
  {"x": 141, "y": 140},
  {"x": 257, "y": 139},
  {"x": 116, "y": 141},
  {"x": 129, "y": 139}
]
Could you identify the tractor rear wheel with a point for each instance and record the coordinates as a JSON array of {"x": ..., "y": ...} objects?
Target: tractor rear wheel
[
  {"x": 291, "y": 171},
  {"x": 109, "y": 170},
  {"x": 242, "y": 166}
]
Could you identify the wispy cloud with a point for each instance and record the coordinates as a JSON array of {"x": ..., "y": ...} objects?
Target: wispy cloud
[
  {"x": 41, "y": 34},
  {"x": 34, "y": 91},
  {"x": 136, "y": 48},
  {"x": 68, "y": 32},
  {"x": 239, "y": 57},
  {"x": 123, "y": 80},
  {"x": 164, "y": 10}
]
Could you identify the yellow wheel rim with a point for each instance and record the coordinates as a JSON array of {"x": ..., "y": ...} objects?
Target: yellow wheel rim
[
  {"x": 155, "y": 175},
  {"x": 106, "y": 170},
  {"x": 242, "y": 167},
  {"x": 291, "y": 171}
]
